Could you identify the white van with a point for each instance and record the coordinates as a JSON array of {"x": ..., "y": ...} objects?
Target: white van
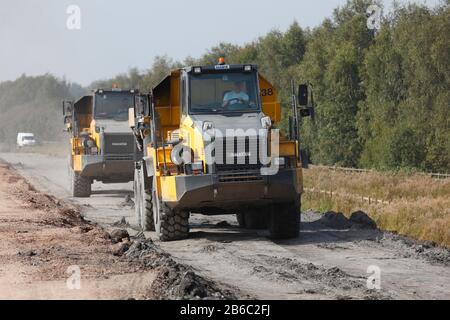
[{"x": 25, "y": 139}]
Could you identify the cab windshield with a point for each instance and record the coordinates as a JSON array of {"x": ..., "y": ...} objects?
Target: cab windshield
[
  {"x": 113, "y": 105},
  {"x": 224, "y": 93}
]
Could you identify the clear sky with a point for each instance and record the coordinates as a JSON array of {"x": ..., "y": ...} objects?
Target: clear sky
[{"x": 116, "y": 35}]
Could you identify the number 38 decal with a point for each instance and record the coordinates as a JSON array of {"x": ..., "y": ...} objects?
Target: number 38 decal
[{"x": 267, "y": 92}]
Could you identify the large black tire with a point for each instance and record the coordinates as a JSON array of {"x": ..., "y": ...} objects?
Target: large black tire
[
  {"x": 80, "y": 187},
  {"x": 170, "y": 224},
  {"x": 147, "y": 209},
  {"x": 253, "y": 218},
  {"x": 256, "y": 218},
  {"x": 137, "y": 198},
  {"x": 240, "y": 217},
  {"x": 143, "y": 201},
  {"x": 284, "y": 221}
]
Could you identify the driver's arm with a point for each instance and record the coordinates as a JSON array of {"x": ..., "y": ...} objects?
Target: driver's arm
[{"x": 226, "y": 100}]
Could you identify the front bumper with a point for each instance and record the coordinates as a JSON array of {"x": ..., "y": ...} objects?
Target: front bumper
[
  {"x": 108, "y": 169},
  {"x": 207, "y": 193}
]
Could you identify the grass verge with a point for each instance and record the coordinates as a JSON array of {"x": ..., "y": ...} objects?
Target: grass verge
[{"x": 406, "y": 203}]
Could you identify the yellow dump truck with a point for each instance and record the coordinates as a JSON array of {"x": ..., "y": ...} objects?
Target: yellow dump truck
[
  {"x": 102, "y": 146},
  {"x": 211, "y": 146}
]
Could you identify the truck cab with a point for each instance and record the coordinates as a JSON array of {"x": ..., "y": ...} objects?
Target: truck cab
[
  {"x": 211, "y": 146},
  {"x": 102, "y": 147}
]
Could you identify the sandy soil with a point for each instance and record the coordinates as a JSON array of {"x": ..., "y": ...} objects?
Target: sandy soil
[
  {"x": 45, "y": 244},
  {"x": 329, "y": 260},
  {"x": 41, "y": 238}
]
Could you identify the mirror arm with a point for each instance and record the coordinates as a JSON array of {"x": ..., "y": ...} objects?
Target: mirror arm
[{"x": 295, "y": 114}]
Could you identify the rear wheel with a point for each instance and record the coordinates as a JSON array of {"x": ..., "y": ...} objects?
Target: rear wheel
[
  {"x": 256, "y": 218},
  {"x": 240, "y": 219},
  {"x": 81, "y": 187},
  {"x": 137, "y": 198},
  {"x": 253, "y": 218},
  {"x": 284, "y": 221},
  {"x": 143, "y": 201}
]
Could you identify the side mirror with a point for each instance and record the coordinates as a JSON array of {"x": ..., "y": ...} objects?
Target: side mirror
[
  {"x": 67, "y": 108},
  {"x": 307, "y": 112},
  {"x": 131, "y": 118},
  {"x": 147, "y": 106},
  {"x": 68, "y": 123},
  {"x": 67, "y": 113},
  {"x": 142, "y": 105},
  {"x": 303, "y": 95}
]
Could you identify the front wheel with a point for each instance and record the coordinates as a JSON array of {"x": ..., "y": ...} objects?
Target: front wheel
[
  {"x": 80, "y": 187},
  {"x": 170, "y": 224},
  {"x": 284, "y": 221}
]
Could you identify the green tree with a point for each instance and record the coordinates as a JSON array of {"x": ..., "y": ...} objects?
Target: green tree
[
  {"x": 404, "y": 120},
  {"x": 332, "y": 62}
]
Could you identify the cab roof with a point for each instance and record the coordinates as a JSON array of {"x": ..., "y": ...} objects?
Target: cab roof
[
  {"x": 100, "y": 90},
  {"x": 221, "y": 68},
  {"x": 87, "y": 98}
]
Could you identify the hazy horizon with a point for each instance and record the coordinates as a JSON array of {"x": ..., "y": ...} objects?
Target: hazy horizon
[{"x": 116, "y": 36}]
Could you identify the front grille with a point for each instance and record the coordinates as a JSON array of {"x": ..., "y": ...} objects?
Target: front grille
[
  {"x": 237, "y": 167},
  {"x": 118, "y": 157},
  {"x": 239, "y": 173},
  {"x": 117, "y": 144},
  {"x": 242, "y": 151},
  {"x": 239, "y": 162}
]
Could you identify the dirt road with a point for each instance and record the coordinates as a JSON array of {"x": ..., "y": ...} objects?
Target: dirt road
[
  {"x": 44, "y": 244},
  {"x": 48, "y": 251},
  {"x": 328, "y": 261}
]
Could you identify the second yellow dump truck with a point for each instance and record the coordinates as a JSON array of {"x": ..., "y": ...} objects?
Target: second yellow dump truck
[
  {"x": 102, "y": 146},
  {"x": 211, "y": 146}
]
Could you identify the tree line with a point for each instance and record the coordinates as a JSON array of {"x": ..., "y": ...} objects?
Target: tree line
[
  {"x": 382, "y": 97},
  {"x": 34, "y": 104}
]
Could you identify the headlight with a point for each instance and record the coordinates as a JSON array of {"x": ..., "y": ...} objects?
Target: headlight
[
  {"x": 197, "y": 166},
  {"x": 88, "y": 143},
  {"x": 266, "y": 122},
  {"x": 207, "y": 126}
]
